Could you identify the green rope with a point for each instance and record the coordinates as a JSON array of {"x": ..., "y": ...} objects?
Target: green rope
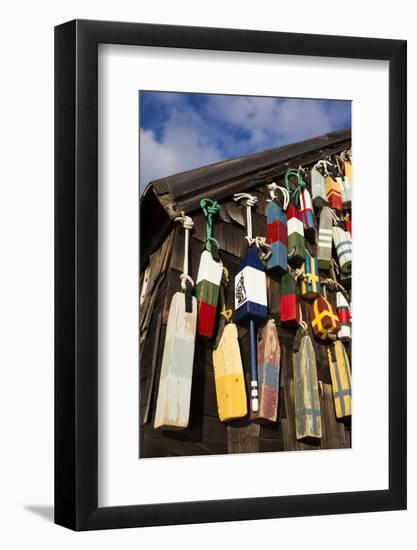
[
  {"x": 301, "y": 184},
  {"x": 210, "y": 208}
]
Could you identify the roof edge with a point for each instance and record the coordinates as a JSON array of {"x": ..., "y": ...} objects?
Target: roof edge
[{"x": 182, "y": 191}]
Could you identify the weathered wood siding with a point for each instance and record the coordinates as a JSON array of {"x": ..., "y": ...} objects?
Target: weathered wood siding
[{"x": 206, "y": 434}]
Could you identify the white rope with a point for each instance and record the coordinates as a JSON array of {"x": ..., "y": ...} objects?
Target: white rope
[
  {"x": 187, "y": 224},
  {"x": 273, "y": 188},
  {"x": 346, "y": 155},
  {"x": 251, "y": 200},
  {"x": 303, "y": 324},
  {"x": 301, "y": 169},
  {"x": 335, "y": 217},
  {"x": 339, "y": 168},
  {"x": 261, "y": 244},
  {"x": 323, "y": 163}
]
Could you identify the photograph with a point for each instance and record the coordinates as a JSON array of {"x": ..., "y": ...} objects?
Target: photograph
[{"x": 245, "y": 211}]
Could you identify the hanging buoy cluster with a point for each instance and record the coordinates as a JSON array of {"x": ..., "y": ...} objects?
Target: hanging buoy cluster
[{"x": 307, "y": 248}]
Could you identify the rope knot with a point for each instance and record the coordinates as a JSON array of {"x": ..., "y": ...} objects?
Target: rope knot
[
  {"x": 251, "y": 200},
  {"x": 210, "y": 209},
  {"x": 323, "y": 164},
  {"x": 300, "y": 186},
  {"x": 187, "y": 224},
  {"x": 186, "y": 279},
  {"x": 273, "y": 188},
  {"x": 186, "y": 221},
  {"x": 297, "y": 274},
  {"x": 262, "y": 245},
  {"x": 227, "y": 314}
]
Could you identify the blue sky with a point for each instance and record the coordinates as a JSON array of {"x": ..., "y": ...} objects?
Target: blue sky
[{"x": 180, "y": 131}]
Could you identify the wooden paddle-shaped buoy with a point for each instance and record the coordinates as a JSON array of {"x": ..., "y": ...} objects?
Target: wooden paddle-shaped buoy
[
  {"x": 310, "y": 282},
  {"x": 341, "y": 379},
  {"x": 306, "y": 391},
  {"x": 269, "y": 357},
  {"x": 276, "y": 224},
  {"x": 289, "y": 305},
  {"x": 343, "y": 245},
  {"x": 324, "y": 248},
  {"x": 209, "y": 274},
  {"x": 251, "y": 307},
  {"x": 174, "y": 393},
  {"x": 227, "y": 363}
]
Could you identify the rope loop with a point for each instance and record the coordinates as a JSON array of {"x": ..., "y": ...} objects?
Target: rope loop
[
  {"x": 187, "y": 224},
  {"x": 303, "y": 324},
  {"x": 186, "y": 221},
  {"x": 323, "y": 163},
  {"x": 227, "y": 314},
  {"x": 346, "y": 155},
  {"x": 250, "y": 201},
  {"x": 333, "y": 286},
  {"x": 297, "y": 274},
  {"x": 273, "y": 188},
  {"x": 335, "y": 217},
  {"x": 210, "y": 240},
  {"x": 261, "y": 245},
  {"x": 209, "y": 207},
  {"x": 300, "y": 186},
  {"x": 184, "y": 280}
]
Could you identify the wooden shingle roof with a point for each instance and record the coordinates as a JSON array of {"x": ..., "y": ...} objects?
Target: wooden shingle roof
[{"x": 166, "y": 198}]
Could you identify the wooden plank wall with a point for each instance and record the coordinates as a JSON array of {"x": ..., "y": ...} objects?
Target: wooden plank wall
[{"x": 206, "y": 434}]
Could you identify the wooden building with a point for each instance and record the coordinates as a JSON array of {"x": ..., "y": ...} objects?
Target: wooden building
[{"x": 162, "y": 245}]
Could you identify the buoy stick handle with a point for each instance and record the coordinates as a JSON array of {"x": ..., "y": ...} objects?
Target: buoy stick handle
[{"x": 253, "y": 367}]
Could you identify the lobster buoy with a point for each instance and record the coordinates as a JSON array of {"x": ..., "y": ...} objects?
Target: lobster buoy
[
  {"x": 306, "y": 391},
  {"x": 310, "y": 282},
  {"x": 174, "y": 392},
  {"x": 277, "y": 237},
  {"x": 341, "y": 379},
  {"x": 251, "y": 307}
]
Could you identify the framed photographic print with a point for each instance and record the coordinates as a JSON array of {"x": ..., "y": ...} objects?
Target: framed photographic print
[{"x": 230, "y": 306}]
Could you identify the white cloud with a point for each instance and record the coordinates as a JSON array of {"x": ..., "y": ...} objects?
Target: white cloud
[
  {"x": 225, "y": 127},
  {"x": 269, "y": 119},
  {"x": 181, "y": 149}
]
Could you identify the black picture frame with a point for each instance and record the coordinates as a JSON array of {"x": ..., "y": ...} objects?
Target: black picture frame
[{"x": 76, "y": 271}]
